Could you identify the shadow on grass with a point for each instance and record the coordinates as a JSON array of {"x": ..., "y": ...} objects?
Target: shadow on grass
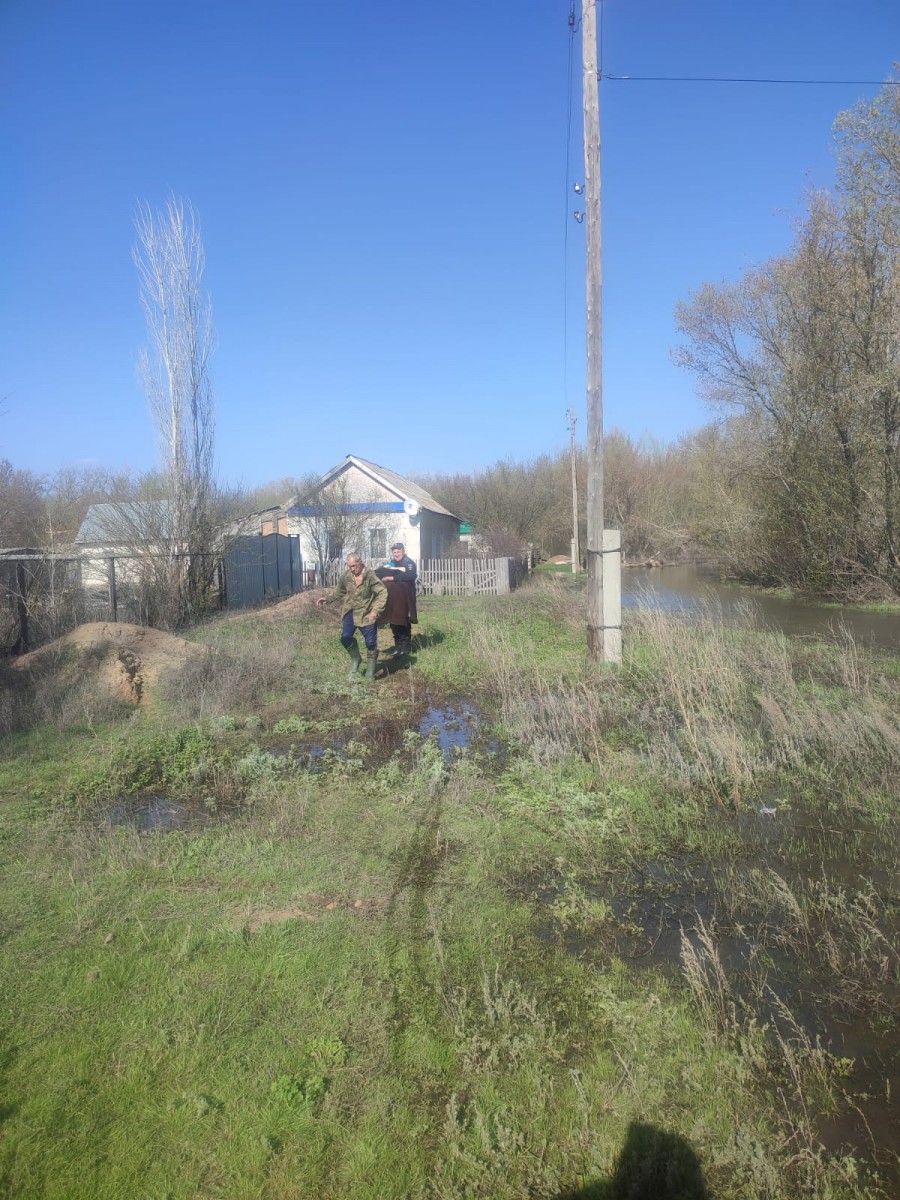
[
  {"x": 402, "y": 662},
  {"x": 390, "y": 666},
  {"x": 422, "y": 640},
  {"x": 653, "y": 1165}
]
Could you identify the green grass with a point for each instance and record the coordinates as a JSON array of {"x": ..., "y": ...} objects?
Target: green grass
[
  {"x": 349, "y": 991},
  {"x": 555, "y": 568},
  {"x": 155, "y": 1047}
]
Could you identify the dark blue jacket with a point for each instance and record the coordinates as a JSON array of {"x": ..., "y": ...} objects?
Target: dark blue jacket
[{"x": 404, "y": 571}]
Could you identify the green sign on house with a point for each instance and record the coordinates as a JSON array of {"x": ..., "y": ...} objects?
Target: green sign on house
[{"x": 465, "y": 527}]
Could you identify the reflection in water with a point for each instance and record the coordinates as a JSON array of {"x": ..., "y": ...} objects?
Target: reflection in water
[
  {"x": 154, "y": 813},
  {"x": 455, "y": 725},
  {"x": 685, "y": 589},
  {"x": 459, "y": 727}
]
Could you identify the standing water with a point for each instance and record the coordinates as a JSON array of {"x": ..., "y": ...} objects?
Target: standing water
[{"x": 687, "y": 589}]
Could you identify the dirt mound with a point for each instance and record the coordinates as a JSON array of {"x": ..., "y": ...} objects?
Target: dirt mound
[
  {"x": 127, "y": 660},
  {"x": 292, "y": 606}
]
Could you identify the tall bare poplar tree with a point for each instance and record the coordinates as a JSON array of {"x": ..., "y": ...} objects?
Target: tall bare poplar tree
[{"x": 175, "y": 370}]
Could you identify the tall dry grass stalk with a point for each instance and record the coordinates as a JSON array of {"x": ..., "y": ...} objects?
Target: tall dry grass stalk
[{"x": 708, "y": 982}]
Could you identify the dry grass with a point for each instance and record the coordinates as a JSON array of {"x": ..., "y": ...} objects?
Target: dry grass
[
  {"x": 702, "y": 703},
  {"x": 64, "y": 694},
  {"x": 234, "y": 676}
]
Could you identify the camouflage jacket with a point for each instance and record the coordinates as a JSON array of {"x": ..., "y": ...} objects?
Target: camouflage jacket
[{"x": 362, "y": 596}]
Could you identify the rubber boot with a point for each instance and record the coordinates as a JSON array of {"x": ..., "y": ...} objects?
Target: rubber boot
[
  {"x": 371, "y": 660},
  {"x": 355, "y": 659}
]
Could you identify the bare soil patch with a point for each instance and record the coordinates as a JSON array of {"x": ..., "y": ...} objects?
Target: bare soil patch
[
  {"x": 313, "y": 908},
  {"x": 126, "y": 661}
]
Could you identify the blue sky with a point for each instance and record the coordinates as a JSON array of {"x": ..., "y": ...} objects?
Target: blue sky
[{"x": 382, "y": 188}]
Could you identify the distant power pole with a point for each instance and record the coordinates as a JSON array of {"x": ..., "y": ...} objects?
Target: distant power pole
[
  {"x": 576, "y": 550},
  {"x": 591, "y": 90}
]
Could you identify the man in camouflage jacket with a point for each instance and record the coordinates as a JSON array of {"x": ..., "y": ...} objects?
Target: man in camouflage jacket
[{"x": 363, "y": 599}]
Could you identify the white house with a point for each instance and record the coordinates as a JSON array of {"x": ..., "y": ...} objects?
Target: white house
[{"x": 360, "y": 506}]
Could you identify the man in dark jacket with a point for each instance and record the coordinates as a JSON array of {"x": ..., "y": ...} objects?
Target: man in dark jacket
[
  {"x": 363, "y": 598},
  {"x": 399, "y": 573}
]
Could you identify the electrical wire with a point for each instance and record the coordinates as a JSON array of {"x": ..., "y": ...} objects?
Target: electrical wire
[{"x": 601, "y": 74}]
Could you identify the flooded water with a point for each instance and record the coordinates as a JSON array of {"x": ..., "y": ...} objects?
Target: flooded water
[
  {"x": 459, "y": 726},
  {"x": 456, "y": 725},
  {"x": 685, "y": 589},
  {"x": 159, "y": 814},
  {"x": 805, "y": 928}
]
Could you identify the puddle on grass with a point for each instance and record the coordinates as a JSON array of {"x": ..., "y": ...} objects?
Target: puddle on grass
[
  {"x": 830, "y": 975},
  {"x": 459, "y": 726},
  {"x": 151, "y": 813},
  {"x": 311, "y": 757},
  {"x": 456, "y": 725}
]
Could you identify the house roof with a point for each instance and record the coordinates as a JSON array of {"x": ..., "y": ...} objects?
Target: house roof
[
  {"x": 405, "y": 488},
  {"x": 129, "y": 521}
]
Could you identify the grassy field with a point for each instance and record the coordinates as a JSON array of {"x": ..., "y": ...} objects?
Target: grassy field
[{"x": 610, "y": 940}]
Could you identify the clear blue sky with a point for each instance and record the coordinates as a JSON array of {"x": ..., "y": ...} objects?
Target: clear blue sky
[{"x": 383, "y": 195}]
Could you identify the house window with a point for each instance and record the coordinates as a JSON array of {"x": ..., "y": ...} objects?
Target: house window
[
  {"x": 377, "y": 544},
  {"x": 437, "y": 543},
  {"x": 335, "y": 546}
]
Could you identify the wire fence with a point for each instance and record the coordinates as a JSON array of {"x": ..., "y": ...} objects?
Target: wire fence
[{"x": 45, "y": 595}]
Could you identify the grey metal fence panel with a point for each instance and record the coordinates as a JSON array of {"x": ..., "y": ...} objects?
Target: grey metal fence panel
[
  {"x": 270, "y": 565},
  {"x": 262, "y": 567},
  {"x": 283, "y": 560},
  {"x": 244, "y": 577}
]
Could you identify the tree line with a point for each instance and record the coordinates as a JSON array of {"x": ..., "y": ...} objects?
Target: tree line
[{"x": 801, "y": 357}]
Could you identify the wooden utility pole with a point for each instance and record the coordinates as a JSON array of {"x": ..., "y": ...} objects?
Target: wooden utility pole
[
  {"x": 576, "y": 550},
  {"x": 591, "y": 90}
]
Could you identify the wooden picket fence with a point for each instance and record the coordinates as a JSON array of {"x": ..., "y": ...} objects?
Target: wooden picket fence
[
  {"x": 456, "y": 576},
  {"x": 471, "y": 576}
]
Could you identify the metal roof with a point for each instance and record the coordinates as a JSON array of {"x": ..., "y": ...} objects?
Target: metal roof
[{"x": 126, "y": 522}]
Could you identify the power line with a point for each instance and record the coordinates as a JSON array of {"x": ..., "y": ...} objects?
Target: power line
[{"x": 730, "y": 79}]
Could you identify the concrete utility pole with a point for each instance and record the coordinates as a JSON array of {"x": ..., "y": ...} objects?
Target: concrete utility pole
[
  {"x": 576, "y": 550},
  {"x": 591, "y": 88}
]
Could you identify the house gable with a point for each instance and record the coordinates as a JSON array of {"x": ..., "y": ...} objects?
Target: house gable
[
  {"x": 127, "y": 523},
  {"x": 370, "y": 483},
  {"x": 391, "y": 508}
]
